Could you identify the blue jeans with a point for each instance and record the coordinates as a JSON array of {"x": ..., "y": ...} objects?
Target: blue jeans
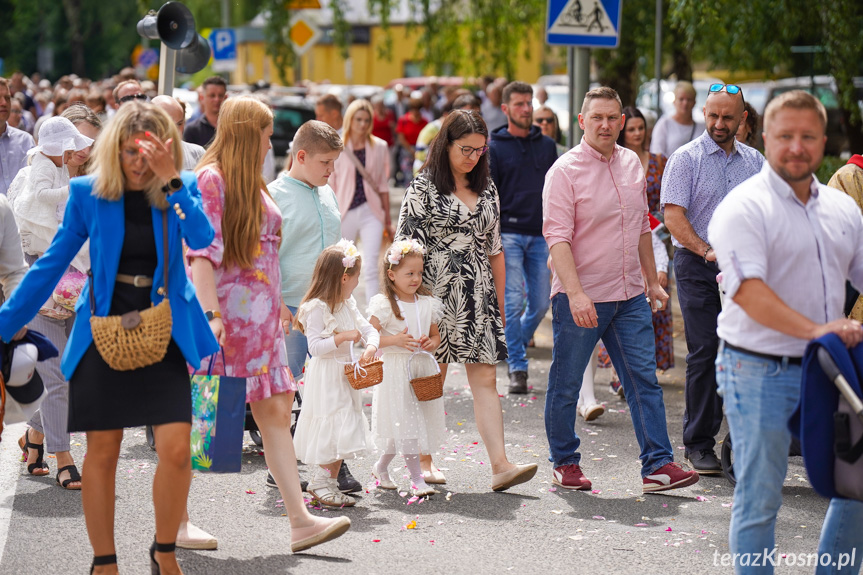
[
  {"x": 297, "y": 347},
  {"x": 527, "y": 278},
  {"x": 760, "y": 395},
  {"x": 626, "y": 328}
]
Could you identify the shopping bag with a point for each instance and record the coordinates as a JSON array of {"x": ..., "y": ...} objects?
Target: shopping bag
[{"x": 218, "y": 421}]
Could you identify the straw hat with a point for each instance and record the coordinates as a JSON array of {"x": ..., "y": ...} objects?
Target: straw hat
[{"x": 58, "y": 135}]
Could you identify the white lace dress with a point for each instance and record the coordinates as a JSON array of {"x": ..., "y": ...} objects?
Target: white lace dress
[
  {"x": 396, "y": 412},
  {"x": 332, "y": 425}
]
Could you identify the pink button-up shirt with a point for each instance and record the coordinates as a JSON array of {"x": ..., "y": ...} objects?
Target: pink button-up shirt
[{"x": 599, "y": 207}]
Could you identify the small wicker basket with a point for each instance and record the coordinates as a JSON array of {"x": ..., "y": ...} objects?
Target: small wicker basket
[
  {"x": 428, "y": 387},
  {"x": 361, "y": 376}
]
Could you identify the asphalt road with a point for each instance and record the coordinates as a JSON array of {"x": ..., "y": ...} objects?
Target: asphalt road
[{"x": 466, "y": 529}]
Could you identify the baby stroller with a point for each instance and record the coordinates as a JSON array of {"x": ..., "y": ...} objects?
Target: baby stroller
[
  {"x": 845, "y": 443},
  {"x": 726, "y": 457}
]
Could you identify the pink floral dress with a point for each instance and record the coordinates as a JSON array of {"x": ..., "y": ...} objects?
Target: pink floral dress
[{"x": 249, "y": 299}]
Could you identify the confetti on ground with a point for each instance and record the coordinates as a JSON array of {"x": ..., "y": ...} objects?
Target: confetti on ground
[
  {"x": 599, "y": 517},
  {"x": 557, "y": 511},
  {"x": 668, "y": 528},
  {"x": 641, "y": 524},
  {"x": 411, "y": 525},
  {"x": 250, "y": 492}
]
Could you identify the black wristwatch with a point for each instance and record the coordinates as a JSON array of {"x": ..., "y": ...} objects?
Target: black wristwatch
[{"x": 172, "y": 186}]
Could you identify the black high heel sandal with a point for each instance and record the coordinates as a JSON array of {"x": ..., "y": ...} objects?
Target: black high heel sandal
[
  {"x": 40, "y": 453},
  {"x": 103, "y": 560},
  {"x": 155, "y": 569}
]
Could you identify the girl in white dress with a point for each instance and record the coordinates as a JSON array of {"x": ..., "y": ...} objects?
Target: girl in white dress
[
  {"x": 407, "y": 317},
  {"x": 332, "y": 426}
]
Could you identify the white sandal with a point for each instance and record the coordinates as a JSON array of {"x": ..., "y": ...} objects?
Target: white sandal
[{"x": 328, "y": 495}]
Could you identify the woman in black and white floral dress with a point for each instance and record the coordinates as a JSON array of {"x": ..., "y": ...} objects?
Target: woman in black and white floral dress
[{"x": 452, "y": 208}]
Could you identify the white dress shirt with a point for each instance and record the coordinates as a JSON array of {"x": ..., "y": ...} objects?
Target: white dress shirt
[{"x": 803, "y": 252}]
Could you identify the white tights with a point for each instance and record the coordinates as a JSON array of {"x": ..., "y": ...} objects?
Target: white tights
[{"x": 410, "y": 451}]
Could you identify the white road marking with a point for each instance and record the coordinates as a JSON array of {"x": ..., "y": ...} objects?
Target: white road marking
[{"x": 10, "y": 472}]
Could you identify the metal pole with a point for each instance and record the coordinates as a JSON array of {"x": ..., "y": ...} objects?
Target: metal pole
[
  {"x": 582, "y": 85},
  {"x": 167, "y": 63},
  {"x": 657, "y": 64},
  {"x": 570, "y": 71},
  {"x": 226, "y": 13}
]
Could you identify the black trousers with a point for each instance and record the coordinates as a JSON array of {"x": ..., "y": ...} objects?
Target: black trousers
[{"x": 698, "y": 294}]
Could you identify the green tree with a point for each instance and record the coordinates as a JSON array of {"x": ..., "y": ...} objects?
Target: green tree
[{"x": 758, "y": 35}]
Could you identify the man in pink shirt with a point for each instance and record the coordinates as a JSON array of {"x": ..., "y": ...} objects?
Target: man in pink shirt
[{"x": 596, "y": 225}]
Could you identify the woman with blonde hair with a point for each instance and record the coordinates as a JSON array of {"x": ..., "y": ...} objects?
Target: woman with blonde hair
[
  {"x": 122, "y": 207},
  {"x": 239, "y": 284},
  {"x": 360, "y": 181}
]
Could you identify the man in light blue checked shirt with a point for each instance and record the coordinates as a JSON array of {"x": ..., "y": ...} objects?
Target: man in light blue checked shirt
[{"x": 697, "y": 177}]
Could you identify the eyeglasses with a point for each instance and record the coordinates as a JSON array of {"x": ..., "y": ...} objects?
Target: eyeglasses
[
  {"x": 17, "y": 112},
  {"x": 729, "y": 88},
  {"x": 544, "y": 120},
  {"x": 131, "y": 97},
  {"x": 467, "y": 151}
]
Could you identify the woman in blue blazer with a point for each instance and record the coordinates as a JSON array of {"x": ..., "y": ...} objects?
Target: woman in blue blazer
[{"x": 119, "y": 208}]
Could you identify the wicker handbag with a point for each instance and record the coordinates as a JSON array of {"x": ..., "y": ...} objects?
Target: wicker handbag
[
  {"x": 136, "y": 338},
  {"x": 428, "y": 387},
  {"x": 361, "y": 376}
]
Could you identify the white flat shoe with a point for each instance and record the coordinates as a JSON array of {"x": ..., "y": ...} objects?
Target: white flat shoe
[
  {"x": 383, "y": 480},
  {"x": 591, "y": 412},
  {"x": 423, "y": 491},
  {"x": 435, "y": 476},
  {"x": 518, "y": 474},
  {"x": 192, "y": 537},
  {"x": 324, "y": 530}
]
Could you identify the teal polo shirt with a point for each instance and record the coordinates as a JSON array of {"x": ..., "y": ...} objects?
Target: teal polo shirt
[{"x": 311, "y": 221}]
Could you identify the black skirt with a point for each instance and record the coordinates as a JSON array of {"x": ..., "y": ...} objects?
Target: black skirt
[{"x": 101, "y": 398}]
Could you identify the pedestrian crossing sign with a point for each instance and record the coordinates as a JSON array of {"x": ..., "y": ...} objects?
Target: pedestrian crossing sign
[{"x": 587, "y": 23}]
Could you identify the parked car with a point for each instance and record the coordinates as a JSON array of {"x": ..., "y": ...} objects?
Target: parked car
[{"x": 290, "y": 112}]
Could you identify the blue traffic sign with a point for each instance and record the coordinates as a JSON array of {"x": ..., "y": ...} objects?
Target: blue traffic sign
[
  {"x": 224, "y": 43},
  {"x": 587, "y": 23}
]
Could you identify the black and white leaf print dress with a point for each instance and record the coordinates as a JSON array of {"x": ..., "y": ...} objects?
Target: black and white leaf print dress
[{"x": 457, "y": 269}]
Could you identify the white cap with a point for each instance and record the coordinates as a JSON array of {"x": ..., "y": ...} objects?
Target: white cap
[{"x": 23, "y": 383}]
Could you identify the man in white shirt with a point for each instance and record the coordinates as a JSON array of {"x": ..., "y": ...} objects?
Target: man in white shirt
[{"x": 786, "y": 244}]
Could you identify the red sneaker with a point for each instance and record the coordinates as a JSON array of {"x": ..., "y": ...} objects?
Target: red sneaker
[
  {"x": 670, "y": 476},
  {"x": 571, "y": 477}
]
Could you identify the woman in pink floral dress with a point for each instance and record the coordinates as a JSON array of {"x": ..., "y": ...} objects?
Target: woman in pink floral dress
[{"x": 239, "y": 286}]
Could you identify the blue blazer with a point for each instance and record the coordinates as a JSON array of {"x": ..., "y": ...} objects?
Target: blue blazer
[{"x": 103, "y": 221}]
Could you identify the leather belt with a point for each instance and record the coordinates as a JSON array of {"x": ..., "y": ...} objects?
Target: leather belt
[
  {"x": 137, "y": 281},
  {"x": 776, "y": 358}
]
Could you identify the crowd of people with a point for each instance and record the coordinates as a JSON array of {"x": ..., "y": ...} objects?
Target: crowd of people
[{"x": 120, "y": 205}]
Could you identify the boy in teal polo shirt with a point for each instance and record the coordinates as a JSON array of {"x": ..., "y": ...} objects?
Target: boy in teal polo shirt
[{"x": 311, "y": 221}]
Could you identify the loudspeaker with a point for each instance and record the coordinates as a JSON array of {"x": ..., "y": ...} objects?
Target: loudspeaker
[
  {"x": 193, "y": 58},
  {"x": 173, "y": 24}
]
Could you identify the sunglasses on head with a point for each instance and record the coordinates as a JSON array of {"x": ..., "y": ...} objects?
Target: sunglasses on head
[
  {"x": 131, "y": 97},
  {"x": 729, "y": 88}
]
